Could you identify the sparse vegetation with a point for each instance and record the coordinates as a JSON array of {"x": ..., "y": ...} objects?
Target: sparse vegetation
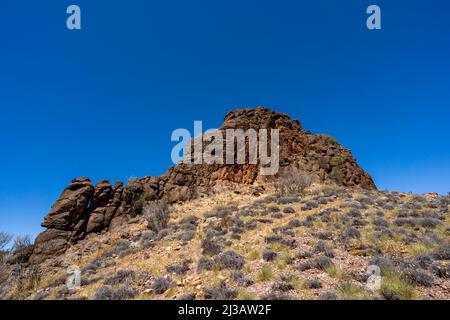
[
  {"x": 265, "y": 274},
  {"x": 210, "y": 247},
  {"x": 269, "y": 255},
  {"x": 394, "y": 287},
  {"x": 294, "y": 182},
  {"x": 220, "y": 292},
  {"x": 310, "y": 246},
  {"x": 162, "y": 284},
  {"x": 5, "y": 239},
  {"x": 230, "y": 260},
  {"x": 350, "y": 291},
  {"x": 179, "y": 269},
  {"x": 157, "y": 214},
  {"x": 313, "y": 283}
]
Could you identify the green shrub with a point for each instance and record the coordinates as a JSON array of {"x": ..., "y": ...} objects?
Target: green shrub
[{"x": 265, "y": 273}]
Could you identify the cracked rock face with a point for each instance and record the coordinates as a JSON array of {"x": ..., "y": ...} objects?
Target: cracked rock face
[{"x": 84, "y": 208}]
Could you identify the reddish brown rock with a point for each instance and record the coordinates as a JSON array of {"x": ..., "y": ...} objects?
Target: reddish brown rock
[
  {"x": 72, "y": 204},
  {"x": 318, "y": 155},
  {"x": 83, "y": 209}
]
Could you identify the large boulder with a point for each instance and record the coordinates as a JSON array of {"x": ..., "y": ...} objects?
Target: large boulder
[
  {"x": 71, "y": 205},
  {"x": 81, "y": 209}
]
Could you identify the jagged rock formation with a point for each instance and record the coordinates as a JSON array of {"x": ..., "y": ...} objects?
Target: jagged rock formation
[
  {"x": 319, "y": 155},
  {"x": 83, "y": 208}
]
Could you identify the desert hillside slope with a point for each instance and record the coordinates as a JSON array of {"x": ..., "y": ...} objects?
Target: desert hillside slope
[
  {"x": 255, "y": 244},
  {"x": 317, "y": 230}
]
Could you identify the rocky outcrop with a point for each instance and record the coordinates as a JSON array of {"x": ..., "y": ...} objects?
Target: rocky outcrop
[
  {"x": 80, "y": 209},
  {"x": 83, "y": 208},
  {"x": 319, "y": 155}
]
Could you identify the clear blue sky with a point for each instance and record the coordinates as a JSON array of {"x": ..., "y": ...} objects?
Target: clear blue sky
[{"x": 102, "y": 102}]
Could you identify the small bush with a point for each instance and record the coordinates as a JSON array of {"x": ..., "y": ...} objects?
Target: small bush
[
  {"x": 41, "y": 295},
  {"x": 265, "y": 273},
  {"x": 273, "y": 239},
  {"x": 385, "y": 264},
  {"x": 418, "y": 277},
  {"x": 123, "y": 293},
  {"x": 324, "y": 235},
  {"x": 273, "y": 209},
  {"x": 355, "y": 213},
  {"x": 380, "y": 222},
  {"x": 204, "y": 264},
  {"x": 187, "y": 235},
  {"x": 192, "y": 220},
  {"x": 404, "y": 222},
  {"x": 442, "y": 253},
  {"x": 85, "y": 281},
  {"x": 179, "y": 269},
  {"x": 328, "y": 295},
  {"x": 352, "y": 233},
  {"x": 307, "y": 265},
  {"x": 162, "y": 284},
  {"x": 310, "y": 204},
  {"x": 220, "y": 292},
  {"x": 269, "y": 255},
  {"x": 210, "y": 247},
  {"x": 120, "y": 277},
  {"x": 276, "y": 295},
  {"x": 393, "y": 287},
  {"x": 282, "y": 286},
  {"x": 157, "y": 214},
  {"x": 262, "y": 220},
  {"x": 92, "y": 266},
  {"x": 350, "y": 291},
  {"x": 230, "y": 260},
  {"x": 187, "y": 297},
  {"x": 441, "y": 270},
  {"x": 251, "y": 225},
  {"x": 303, "y": 255},
  {"x": 430, "y": 223},
  {"x": 103, "y": 293},
  {"x": 289, "y": 210},
  {"x": 241, "y": 279},
  {"x": 313, "y": 283},
  {"x": 21, "y": 242},
  {"x": 122, "y": 246},
  {"x": 323, "y": 263},
  {"x": 294, "y": 182},
  {"x": 359, "y": 222},
  {"x": 337, "y": 273},
  {"x": 322, "y": 247},
  {"x": 5, "y": 239},
  {"x": 291, "y": 243},
  {"x": 294, "y": 223}
]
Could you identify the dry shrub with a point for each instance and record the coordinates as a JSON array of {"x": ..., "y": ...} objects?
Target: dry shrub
[
  {"x": 157, "y": 214},
  {"x": 293, "y": 182}
]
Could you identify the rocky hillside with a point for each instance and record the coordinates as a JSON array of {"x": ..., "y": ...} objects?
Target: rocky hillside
[
  {"x": 311, "y": 232},
  {"x": 258, "y": 244},
  {"x": 83, "y": 208}
]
